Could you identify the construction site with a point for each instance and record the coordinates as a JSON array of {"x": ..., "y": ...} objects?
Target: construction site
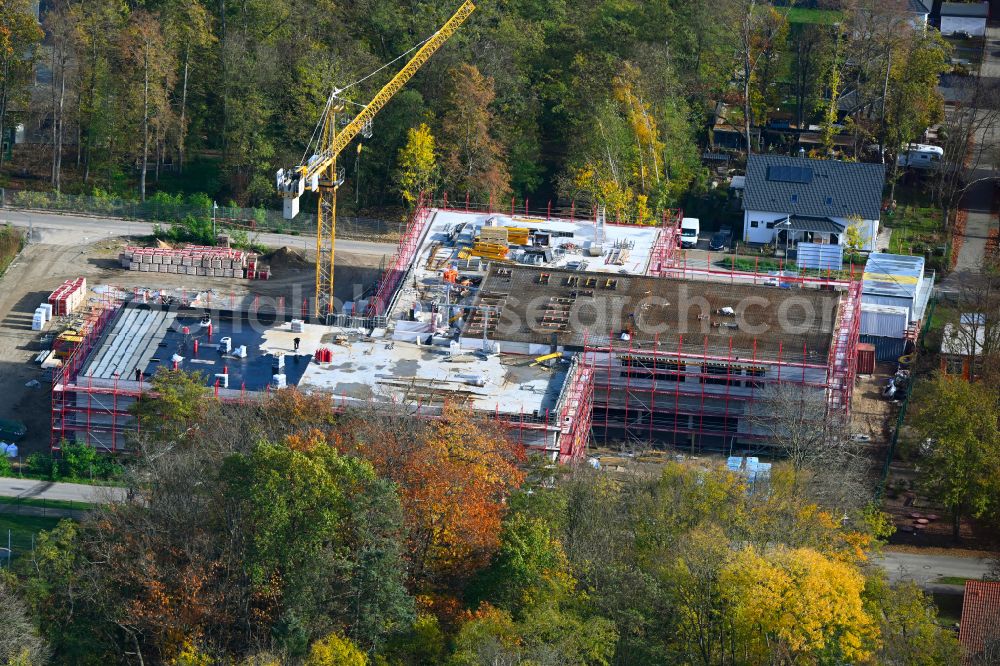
[
  {"x": 568, "y": 328},
  {"x": 563, "y": 329}
]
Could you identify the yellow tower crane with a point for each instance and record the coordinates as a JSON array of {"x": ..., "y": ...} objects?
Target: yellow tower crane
[{"x": 319, "y": 173}]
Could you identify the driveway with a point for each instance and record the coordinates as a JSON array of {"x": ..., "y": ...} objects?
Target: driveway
[
  {"x": 50, "y": 490},
  {"x": 925, "y": 569},
  {"x": 59, "y": 229}
]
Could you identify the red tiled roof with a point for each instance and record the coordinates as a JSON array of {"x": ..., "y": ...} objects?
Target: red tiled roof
[{"x": 980, "y": 616}]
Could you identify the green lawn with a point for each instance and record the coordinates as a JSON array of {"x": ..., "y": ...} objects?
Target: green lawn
[
  {"x": 952, "y": 580},
  {"x": 47, "y": 504},
  {"x": 21, "y": 530},
  {"x": 815, "y": 16},
  {"x": 916, "y": 223},
  {"x": 915, "y": 229},
  {"x": 767, "y": 264},
  {"x": 762, "y": 265}
]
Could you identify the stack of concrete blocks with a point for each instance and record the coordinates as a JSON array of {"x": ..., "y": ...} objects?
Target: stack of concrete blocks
[{"x": 191, "y": 260}]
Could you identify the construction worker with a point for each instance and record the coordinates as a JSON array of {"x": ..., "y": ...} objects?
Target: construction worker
[{"x": 296, "y": 342}]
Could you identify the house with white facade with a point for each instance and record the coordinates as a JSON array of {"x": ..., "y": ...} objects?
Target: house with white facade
[
  {"x": 970, "y": 17},
  {"x": 796, "y": 199},
  {"x": 920, "y": 11}
]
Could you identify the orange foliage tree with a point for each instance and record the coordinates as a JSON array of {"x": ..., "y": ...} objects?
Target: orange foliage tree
[{"x": 454, "y": 476}]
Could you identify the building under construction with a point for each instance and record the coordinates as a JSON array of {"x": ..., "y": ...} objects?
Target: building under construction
[{"x": 567, "y": 330}]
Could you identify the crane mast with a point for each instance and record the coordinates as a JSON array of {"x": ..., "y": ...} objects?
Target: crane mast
[{"x": 320, "y": 173}]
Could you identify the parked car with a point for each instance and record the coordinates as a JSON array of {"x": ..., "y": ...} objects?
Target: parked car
[
  {"x": 721, "y": 240},
  {"x": 961, "y": 34}
]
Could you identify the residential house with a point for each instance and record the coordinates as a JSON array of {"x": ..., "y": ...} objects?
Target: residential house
[
  {"x": 793, "y": 199},
  {"x": 921, "y": 11},
  {"x": 967, "y": 17},
  {"x": 979, "y": 628}
]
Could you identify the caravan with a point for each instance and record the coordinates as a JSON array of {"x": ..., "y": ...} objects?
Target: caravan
[{"x": 921, "y": 156}]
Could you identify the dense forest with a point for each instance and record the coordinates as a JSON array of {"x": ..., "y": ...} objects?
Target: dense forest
[
  {"x": 555, "y": 99},
  {"x": 284, "y": 533}
]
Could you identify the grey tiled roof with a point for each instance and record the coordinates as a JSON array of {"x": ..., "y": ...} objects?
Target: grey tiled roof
[
  {"x": 972, "y": 9},
  {"x": 819, "y": 224},
  {"x": 826, "y": 188},
  {"x": 920, "y": 6}
]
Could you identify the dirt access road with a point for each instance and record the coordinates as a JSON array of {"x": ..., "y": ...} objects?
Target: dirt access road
[{"x": 59, "y": 253}]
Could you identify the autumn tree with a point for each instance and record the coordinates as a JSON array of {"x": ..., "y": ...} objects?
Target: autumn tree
[
  {"x": 20, "y": 644},
  {"x": 958, "y": 422},
  {"x": 473, "y": 159},
  {"x": 176, "y": 401},
  {"x": 20, "y": 36},
  {"x": 754, "y": 28},
  {"x": 188, "y": 28},
  {"x": 454, "y": 476},
  {"x": 974, "y": 326},
  {"x": 417, "y": 164},
  {"x": 58, "y": 23},
  {"x": 913, "y": 102},
  {"x": 910, "y": 632},
  {"x": 324, "y": 537},
  {"x": 810, "y": 45},
  {"x": 799, "y": 604},
  {"x": 335, "y": 650},
  {"x": 145, "y": 51},
  {"x": 637, "y": 158},
  {"x": 826, "y": 465}
]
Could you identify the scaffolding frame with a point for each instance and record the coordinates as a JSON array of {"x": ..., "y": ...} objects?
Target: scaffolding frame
[
  {"x": 98, "y": 411},
  {"x": 648, "y": 395},
  {"x": 402, "y": 261}
]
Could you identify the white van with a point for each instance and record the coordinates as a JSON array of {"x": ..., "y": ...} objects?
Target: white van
[
  {"x": 921, "y": 156},
  {"x": 690, "y": 228}
]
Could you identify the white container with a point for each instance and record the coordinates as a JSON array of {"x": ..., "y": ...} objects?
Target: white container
[
  {"x": 884, "y": 321},
  {"x": 279, "y": 381},
  {"x": 48, "y": 310},
  {"x": 225, "y": 345},
  {"x": 37, "y": 323},
  {"x": 40, "y": 312},
  {"x": 241, "y": 352},
  {"x": 297, "y": 325}
]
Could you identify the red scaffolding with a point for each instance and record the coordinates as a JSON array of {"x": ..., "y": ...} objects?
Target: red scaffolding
[
  {"x": 401, "y": 261},
  {"x": 695, "y": 394},
  {"x": 664, "y": 253},
  {"x": 98, "y": 411}
]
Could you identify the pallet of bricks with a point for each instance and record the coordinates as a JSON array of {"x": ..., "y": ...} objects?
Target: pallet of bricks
[
  {"x": 68, "y": 296},
  {"x": 195, "y": 260}
]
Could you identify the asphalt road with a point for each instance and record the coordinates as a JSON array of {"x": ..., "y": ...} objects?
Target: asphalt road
[
  {"x": 59, "y": 229},
  {"x": 925, "y": 569},
  {"x": 49, "y": 490}
]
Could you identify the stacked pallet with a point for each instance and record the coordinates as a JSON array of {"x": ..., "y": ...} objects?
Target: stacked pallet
[
  {"x": 69, "y": 296},
  {"x": 195, "y": 260}
]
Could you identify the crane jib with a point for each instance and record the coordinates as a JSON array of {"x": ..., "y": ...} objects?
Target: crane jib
[{"x": 293, "y": 182}]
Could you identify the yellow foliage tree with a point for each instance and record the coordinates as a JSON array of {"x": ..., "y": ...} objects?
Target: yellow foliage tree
[
  {"x": 807, "y": 604},
  {"x": 335, "y": 650},
  {"x": 853, "y": 238},
  {"x": 643, "y": 123},
  {"x": 191, "y": 655},
  {"x": 417, "y": 163}
]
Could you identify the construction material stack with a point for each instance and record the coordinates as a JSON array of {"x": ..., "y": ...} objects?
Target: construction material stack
[
  {"x": 195, "y": 260},
  {"x": 68, "y": 297}
]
